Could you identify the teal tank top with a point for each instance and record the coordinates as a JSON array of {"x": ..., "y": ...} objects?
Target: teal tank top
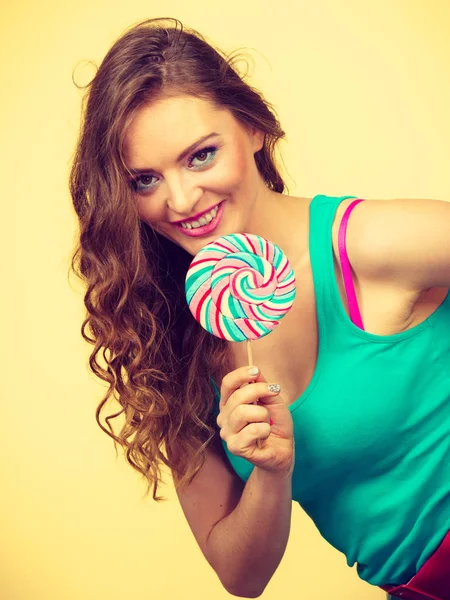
[{"x": 372, "y": 430}]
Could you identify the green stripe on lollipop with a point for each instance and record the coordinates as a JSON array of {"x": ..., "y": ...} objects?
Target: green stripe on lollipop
[
  {"x": 195, "y": 281},
  {"x": 235, "y": 308}
]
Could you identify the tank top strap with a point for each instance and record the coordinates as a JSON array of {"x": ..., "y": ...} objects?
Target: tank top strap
[
  {"x": 322, "y": 211},
  {"x": 352, "y": 300}
]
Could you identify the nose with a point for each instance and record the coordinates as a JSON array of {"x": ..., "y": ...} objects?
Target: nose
[{"x": 182, "y": 196}]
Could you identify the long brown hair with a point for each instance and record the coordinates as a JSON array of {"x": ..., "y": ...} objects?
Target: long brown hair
[{"x": 156, "y": 358}]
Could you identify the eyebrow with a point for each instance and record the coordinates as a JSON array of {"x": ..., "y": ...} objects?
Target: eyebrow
[{"x": 181, "y": 156}]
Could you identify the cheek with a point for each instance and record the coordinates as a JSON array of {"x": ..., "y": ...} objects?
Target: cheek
[
  {"x": 233, "y": 173},
  {"x": 148, "y": 210}
]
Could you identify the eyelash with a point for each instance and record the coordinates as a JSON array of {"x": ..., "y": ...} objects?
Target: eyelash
[{"x": 210, "y": 149}]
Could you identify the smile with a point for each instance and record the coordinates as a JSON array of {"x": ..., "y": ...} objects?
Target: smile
[
  {"x": 204, "y": 224},
  {"x": 203, "y": 220}
]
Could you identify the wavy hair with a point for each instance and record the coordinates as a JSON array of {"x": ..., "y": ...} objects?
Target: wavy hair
[{"x": 156, "y": 359}]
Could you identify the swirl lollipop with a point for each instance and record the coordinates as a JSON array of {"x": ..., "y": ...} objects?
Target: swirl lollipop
[{"x": 239, "y": 286}]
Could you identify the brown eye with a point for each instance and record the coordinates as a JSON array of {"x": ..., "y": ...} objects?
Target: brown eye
[
  {"x": 143, "y": 183},
  {"x": 204, "y": 156}
]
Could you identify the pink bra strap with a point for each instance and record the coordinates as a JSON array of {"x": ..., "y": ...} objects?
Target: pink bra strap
[{"x": 355, "y": 315}]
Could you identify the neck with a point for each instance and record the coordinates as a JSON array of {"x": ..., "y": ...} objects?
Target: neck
[{"x": 282, "y": 220}]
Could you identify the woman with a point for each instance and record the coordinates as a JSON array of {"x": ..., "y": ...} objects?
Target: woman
[{"x": 350, "y": 410}]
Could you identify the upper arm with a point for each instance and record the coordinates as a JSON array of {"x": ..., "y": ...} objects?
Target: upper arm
[{"x": 213, "y": 494}]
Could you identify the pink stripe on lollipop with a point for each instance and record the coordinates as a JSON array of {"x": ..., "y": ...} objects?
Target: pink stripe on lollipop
[
  {"x": 244, "y": 272},
  {"x": 266, "y": 250},
  {"x": 256, "y": 333},
  {"x": 217, "y": 292},
  {"x": 250, "y": 243},
  {"x": 215, "y": 322},
  {"x": 252, "y": 312},
  {"x": 286, "y": 265},
  {"x": 219, "y": 296},
  {"x": 246, "y": 328},
  {"x": 201, "y": 262},
  {"x": 269, "y": 286},
  {"x": 230, "y": 248},
  {"x": 228, "y": 263},
  {"x": 234, "y": 289},
  {"x": 198, "y": 307},
  {"x": 276, "y": 310},
  {"x": 289, "y": 286}
]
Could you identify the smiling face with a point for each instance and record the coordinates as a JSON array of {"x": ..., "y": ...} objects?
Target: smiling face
[{"x": 188, "y": 156}]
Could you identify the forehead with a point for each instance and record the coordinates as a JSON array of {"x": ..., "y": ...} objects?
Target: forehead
[{"x": 164, "y": 128}]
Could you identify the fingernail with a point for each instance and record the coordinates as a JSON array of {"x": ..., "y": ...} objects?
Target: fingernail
[
  {"x": 253, "y": 371},
  {"x": 274, "y": 388}
]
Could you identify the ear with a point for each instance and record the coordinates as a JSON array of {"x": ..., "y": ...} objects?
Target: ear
[{"x": 258, "y": 140}]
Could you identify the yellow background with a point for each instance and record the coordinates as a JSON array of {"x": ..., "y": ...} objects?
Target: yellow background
[{"x": 362, "y": 90}]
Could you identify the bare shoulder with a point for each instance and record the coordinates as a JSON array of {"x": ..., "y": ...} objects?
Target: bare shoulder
[
  {"x": 383, "y": 241},
  {"x": 214, "y": 493},
  {"x": 367, "y": 243},
  {"x": 381, "y": 244},
  {"x": 364, "y": 262}
]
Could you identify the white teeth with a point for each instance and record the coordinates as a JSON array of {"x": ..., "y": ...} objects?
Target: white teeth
[{"x": 203, "y": 220}]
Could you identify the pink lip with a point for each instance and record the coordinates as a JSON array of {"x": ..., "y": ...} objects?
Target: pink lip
[{"x": 204, "y": 229}]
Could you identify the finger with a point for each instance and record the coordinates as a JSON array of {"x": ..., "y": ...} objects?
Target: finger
[
  {"x": 246, "y": 440},
  {"x": 234, "y": 380},
  {"x": 251, "y": 394},
  {"x": 244, "y": 414},
  {"x": 239, "y": 401}
]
